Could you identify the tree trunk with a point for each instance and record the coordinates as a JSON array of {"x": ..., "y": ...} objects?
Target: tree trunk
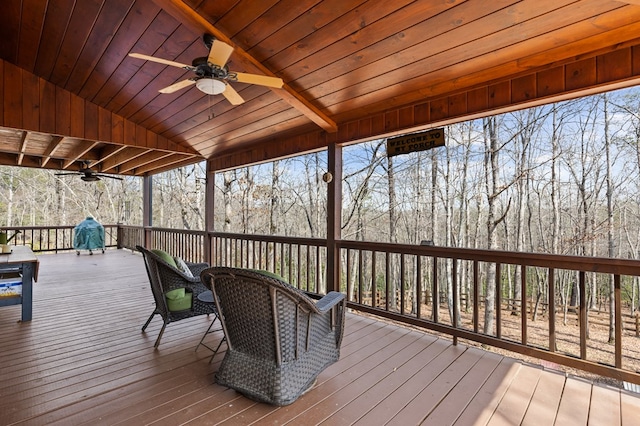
[
  {"x": 491, "y": 182},
  {"x": 275, "y": 197},
  {"x": 396, "y": 284},
  {"x": 610, "y": 236},
  {"x": 228, "y": 179}
]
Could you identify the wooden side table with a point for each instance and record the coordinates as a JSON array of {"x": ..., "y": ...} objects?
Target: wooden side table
[
  {"x": 207, "y": 297},
  {"x": 21, "y": 261}
]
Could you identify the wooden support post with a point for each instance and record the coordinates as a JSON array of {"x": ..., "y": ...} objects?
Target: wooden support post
[
  {"x": 334, "y": 216},
  {"x": 209, "y": 208},
  {"x": 147, "y": 210}
]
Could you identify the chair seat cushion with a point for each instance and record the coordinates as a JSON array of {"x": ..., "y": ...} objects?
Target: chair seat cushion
[{"x": 179, "y": 299}]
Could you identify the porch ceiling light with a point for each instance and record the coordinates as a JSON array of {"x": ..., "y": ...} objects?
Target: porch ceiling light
[{"x": 211, "y": 86}]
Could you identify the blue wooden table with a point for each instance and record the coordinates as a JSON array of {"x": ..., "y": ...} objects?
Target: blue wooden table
[{"x": 20, "y": 262}]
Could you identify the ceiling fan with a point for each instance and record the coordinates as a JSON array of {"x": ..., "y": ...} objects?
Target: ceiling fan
[
  {"x": 88, "y": 175},
  {"x": 212, "y": 76}
]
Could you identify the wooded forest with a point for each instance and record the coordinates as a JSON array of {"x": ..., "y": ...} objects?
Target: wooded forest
[{"x": 562, "y": 178}]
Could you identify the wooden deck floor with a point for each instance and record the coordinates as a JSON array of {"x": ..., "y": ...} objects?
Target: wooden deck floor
[{"x": 83, "y": 360}]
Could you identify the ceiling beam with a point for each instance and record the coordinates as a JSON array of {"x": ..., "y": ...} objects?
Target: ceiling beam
[
  {"x": 10, "y": 159},
  {"x": 189, "y": 17}
]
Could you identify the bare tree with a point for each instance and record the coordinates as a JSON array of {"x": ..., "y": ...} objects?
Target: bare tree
[{"x": 493, "y": 189}]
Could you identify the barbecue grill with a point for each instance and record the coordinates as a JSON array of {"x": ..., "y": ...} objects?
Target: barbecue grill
[{"x": 89, "y": 235}]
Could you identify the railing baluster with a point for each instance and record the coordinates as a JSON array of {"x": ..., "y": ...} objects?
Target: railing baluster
[
  {"x": 402, "y": 282},
  {"x": 552, "y": 310},
  {"x": 360, "y": 275},
  {"x": 253, "y": 249},
  {"x": 299, "y": 282},
  {"x": 308, "y": 265},
  {"x": 290, "y": 263},
  {"x": 317, "y": 289},
  {"x": 454, "y": 308},
  {"x": 387, "y": 279},
  {"x": 523, "y": 303},
  {"x": 418, "y": 287},
  {"x": 435, "y": 292},
  {"x": 348, "y": 274},
  {"x": 618, "y": 320},
  {"x": 498, "y": 307},
  {"x": 374, "y": 302},
  {"x": 583, "y": 315},
  {"x": 476, "y": 295}
]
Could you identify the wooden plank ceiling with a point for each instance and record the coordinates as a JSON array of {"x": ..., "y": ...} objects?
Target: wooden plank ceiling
[{"x": 72, "y": 96}]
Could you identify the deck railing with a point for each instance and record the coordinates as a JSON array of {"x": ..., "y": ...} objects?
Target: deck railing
[
  {"x": 438, "y": 288},
  {"x": 301, "y": 261},
  {"x": 189, "y": 245},
  {"x": 399, "y": 282},
  {"x": 445, "y": 290},
  {"x": 53, "y": 238}
]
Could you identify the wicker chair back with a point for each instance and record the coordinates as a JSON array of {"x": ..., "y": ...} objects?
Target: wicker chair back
[
  {"x": 163, "y": 278},
  {"x": 278, "y": 338}
]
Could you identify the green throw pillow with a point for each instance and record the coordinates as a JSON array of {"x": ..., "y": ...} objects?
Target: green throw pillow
[
  {"x": 164, "y": 256},
  {"x": 182, "y": 266}
]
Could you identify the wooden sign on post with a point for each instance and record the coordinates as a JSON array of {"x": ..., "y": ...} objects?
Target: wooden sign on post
[{"x": 415, "y": 142}]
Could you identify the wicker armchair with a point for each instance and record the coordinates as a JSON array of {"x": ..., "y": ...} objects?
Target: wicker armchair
[
  {"x": 164, "y": 277},
  {"x": 278, "y": 339}
]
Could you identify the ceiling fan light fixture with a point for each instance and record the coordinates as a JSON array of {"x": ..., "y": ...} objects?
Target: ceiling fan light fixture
[
  {"x": 90, "y": 178},
  {"x": 211, "y": 86}
]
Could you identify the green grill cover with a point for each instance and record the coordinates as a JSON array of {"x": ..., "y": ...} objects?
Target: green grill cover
[{"x": 89, "y": 235}]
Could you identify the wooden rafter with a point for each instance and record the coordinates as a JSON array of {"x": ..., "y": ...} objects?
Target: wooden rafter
[
  {"x": 186, "y": 15},
  {"x": 106, "y": 153},
  {"x": 128, "y": 154},
  {"x": 167, "y": 163},
  {"x": 81, "y": 148},
  {"x": 23, "y": 146},
  {"x": 51, "y": 148},
  {"x": 142, "y": 160}
]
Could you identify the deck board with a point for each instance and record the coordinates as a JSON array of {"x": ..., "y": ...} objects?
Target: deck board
[
  {"x": 84, "y": 360},
  {"x": 514, "y": 404},
  {"x": 546, "y": 399}
]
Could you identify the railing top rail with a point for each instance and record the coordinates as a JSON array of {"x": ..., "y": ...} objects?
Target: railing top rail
[
  {"x": 175, "y": 231},
  {"x": 557, "y": 261},
  {"x": 273, "y": 238},
  {"x": 42, "y": 227}
]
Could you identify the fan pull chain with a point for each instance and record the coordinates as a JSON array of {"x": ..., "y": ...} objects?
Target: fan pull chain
[{"x": 211, "y": 115}]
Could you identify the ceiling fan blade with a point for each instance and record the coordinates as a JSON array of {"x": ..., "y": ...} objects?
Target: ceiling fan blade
[
  {"x": 219, "y": 53},
  {"x": 177, "y": 86},
  {"x": 160, "y": 61},
  {"x": 107, "y": 176},
  {"x": 67, "y": 174},
  {"x": 261, "y": 80},
  {"x": 232, "y": 96}
]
